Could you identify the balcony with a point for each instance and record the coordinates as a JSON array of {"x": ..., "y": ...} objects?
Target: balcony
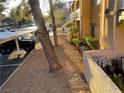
[
  {"x": 120, "y": 15},
  {"x": 78, "y": 14},
  {"x": 120, "y": 12},
  {"x": 75, "y": 15},
  {"x": 96, "y": 2},
  {"x": 98, "y": 80}
]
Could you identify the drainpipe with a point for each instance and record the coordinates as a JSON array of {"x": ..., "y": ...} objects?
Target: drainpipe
[{"x": 81, "y": 20}]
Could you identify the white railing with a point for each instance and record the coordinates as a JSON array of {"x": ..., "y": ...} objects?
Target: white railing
[
  {"x": 78, "y": 14},
  {"x": 72, "y": 15},
  {"x": 75, "y": 15},
  {"x": 120, "y": 4},
  {"x": 121, "y": 16}
]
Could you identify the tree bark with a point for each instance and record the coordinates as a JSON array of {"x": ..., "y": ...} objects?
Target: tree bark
[
  {"x": 42, "y": 32},
  {"x": 53, "y": 22}
]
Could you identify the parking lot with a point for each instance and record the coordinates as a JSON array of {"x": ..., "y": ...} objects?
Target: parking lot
[{"x": 9, "y": 63}]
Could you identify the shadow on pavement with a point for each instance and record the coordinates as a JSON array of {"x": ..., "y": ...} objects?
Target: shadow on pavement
[{"x": 9, "y": 63}]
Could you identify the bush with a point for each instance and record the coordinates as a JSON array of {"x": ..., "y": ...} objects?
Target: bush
[
  {"x": 93, "y": 43},
  {"x": 75, "y": 41},
  {"x": 118, "y": 80},
  {"x": 69, "y": 25}
]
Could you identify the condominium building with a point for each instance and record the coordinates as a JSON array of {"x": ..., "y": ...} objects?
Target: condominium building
[{"x": 99, "y": 19}]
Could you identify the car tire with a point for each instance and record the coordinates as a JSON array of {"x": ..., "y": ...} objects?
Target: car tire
[
  {"x": 5, "y": 51},
  {"x": 29, "y": 49}
]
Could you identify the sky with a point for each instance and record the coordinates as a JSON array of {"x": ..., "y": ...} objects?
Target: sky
[{"x": 14, "y": 3}]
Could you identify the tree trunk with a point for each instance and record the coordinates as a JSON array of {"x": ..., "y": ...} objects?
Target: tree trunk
[
  {"x": 53, "y": 22},
  {"x": 49, "y": 50}
]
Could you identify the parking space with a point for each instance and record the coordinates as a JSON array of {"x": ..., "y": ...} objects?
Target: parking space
[
  {"x": 9, "y": 63},
  {"x": 14, "y": 42}
]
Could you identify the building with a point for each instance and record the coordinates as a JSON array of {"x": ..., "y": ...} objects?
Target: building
[
  {"x": 85, "y": 16},
  {"x": 110, "y": 23},
  {"x": 104, "y": 20},
  {"x": 91, "y": 18},
  {"x": 74, "y": 10}
]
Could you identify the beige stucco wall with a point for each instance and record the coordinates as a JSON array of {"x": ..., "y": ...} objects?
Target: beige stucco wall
[
  {"x": 85, "y": 13},
  {"x": 107, "y": 25},
  {"x": 119, "y": 39},
  {"x": 89, "y": 14},
  {"x": 95, "y": 18},
  {"x": 86, "y": 27}
]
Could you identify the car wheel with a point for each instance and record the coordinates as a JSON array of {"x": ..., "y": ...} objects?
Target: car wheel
[
  {"x": 29, "y": 49},
  {"x": 3, "y": 51}
]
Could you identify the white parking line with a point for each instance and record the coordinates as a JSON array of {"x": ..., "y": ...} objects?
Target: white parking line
[
  {"x": 1, "y": 56},
  {"x": 10, "y": 65}
]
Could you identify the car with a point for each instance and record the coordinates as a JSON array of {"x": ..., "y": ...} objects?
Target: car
[
  {"x": 8, "y": 47},
  {"x": 49, "y": 29}
]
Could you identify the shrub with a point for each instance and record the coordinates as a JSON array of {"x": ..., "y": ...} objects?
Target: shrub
[
  {"x": 75, "y": 41},
  {"x": 118, "y": 79},
  {"x": 69, "y": 24},
  {"x": 92, "y": 42}
]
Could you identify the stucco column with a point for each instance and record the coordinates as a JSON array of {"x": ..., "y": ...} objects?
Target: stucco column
[
  {"x": 81, "y": 19},
  {"x": 102, "y": 23}
]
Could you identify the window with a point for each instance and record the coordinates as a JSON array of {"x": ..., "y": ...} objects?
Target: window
[
  {"x": 93, "y": 29},
  {"x": 96, "y": 2},
  {"x": 120, "y": 4}
]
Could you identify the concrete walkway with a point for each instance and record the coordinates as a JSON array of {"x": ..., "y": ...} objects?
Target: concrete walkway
[{"x": 33, "y": 76}]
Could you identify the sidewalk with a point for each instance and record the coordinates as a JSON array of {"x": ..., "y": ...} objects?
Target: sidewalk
[{"x": 33, "y": 76}]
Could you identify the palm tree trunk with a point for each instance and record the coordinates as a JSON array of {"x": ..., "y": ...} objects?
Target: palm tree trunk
[
  {"x": 53, "y": 22},
  {"x": 49, "y": 50}
]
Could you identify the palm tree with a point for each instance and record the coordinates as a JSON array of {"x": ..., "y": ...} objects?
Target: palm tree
[{"x": 49, "y": 50}]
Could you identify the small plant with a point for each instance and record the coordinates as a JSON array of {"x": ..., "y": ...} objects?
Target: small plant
[
  {"x": 93, "y": 43},
  {"x": 69, "y": 24},
  {"x": 118, "y": 79},
  {"x": 75, "y": 41},
  {"x": 74, "y": 30},
  {"x": 113, "y": 68}
]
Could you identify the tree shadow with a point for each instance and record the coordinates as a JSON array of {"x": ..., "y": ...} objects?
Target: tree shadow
[
  {"x": 64, "y": 58},
  {"x": 12, "y": 58}
]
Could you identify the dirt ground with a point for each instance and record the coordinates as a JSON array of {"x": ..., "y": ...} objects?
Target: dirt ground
[{"x": 33, "y": 76}]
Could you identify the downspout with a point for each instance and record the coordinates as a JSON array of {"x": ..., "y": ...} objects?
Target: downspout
[{"x": 81, "y": 20}]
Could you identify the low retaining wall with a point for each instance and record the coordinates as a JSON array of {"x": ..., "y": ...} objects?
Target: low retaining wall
[{"x": 97, "y": 79}]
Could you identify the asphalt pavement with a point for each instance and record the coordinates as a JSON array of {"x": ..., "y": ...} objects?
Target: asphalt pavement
[{"x": 9, "y": 63}]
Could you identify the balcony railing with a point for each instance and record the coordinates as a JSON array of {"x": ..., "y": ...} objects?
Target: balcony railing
[
  {"x": 78, "y": 14},
  {"x": 120, "y": 4},
  {"x": 72, "y": 16},
  {"x": 75, "y": 15},
  {"x": 120, "y": 15}
]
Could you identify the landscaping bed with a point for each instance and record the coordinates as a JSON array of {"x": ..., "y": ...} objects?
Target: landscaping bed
[
  {"x": 95, "y": 63},
  {"x": 114, "y": 68},
  {"x": 88, "y": 43}
]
